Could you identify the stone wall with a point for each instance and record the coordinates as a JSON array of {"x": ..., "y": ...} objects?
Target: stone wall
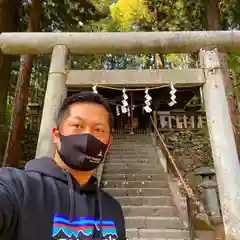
[{"x": 191, "y": 150}]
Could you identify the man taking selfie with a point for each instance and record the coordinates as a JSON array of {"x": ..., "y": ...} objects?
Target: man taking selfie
[{"x": 59, "y": 198}]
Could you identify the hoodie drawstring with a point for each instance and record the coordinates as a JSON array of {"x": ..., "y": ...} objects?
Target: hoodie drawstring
[
  {"x": 71, "y": 195},
  {"x": 72, "y": 201},
  {"x": 100, "y": 212}
]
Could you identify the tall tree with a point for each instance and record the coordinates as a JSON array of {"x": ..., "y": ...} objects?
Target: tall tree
[
  {"x": 212, "y": 15},
  {"x": 150, "y": 15},
  {"x": 9, "y": 15},
  {"x": 213, "y": 22},
  {"x": 51, "y": 15},
  {"x": 11, "y": 156}
]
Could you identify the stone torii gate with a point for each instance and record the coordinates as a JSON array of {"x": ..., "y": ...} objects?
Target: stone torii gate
[{"x": 209, "y": 76}]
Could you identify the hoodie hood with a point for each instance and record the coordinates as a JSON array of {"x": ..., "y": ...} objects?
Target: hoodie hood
[
  {"x": 48, "y": 167},
  {"x": 45, "y": 202}
]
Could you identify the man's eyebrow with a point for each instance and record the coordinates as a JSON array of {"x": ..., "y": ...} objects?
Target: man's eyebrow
[
  {"x": 99, "y": 124},
  {"x": 77, "y": 117}
]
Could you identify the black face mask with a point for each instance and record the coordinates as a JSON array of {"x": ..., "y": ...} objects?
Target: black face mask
[{"x": 82, "y": 152}]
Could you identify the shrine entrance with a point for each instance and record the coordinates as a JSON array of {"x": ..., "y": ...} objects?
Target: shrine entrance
[{"x": 135, "y": 121}]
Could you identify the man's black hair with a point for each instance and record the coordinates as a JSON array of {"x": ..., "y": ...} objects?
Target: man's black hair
[{"x": 83, "y": 97}]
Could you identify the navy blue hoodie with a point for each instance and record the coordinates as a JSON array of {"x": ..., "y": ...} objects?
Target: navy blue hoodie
[{"x": 45, "y": 202}]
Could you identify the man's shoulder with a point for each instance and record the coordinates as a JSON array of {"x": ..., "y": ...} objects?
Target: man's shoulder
[
  {"x": 12, "y": 177},
  {"x": 11, "y": 183},
  {"x": 9, "y": 173},
  {"x": 16, "y": 179}
]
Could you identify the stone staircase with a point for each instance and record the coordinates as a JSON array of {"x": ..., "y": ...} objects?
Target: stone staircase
[{"x": 133, "y": 175}]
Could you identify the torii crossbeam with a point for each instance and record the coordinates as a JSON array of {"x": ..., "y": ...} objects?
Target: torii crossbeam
[{"x": 210, "y": 76}]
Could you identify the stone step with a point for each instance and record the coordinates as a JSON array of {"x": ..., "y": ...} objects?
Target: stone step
[
  {"x": 129, "y": 148},
  {"x": 144, "y": 150},
  {"x": 131, "y": 145},
  {"x": 135, "y": 166},
  {"x": 119, "y": 148},
  {"x": 153, "y": 222},
  {"x": 133, "y": 138},
  {"x": 117, "y": 192},
  {"x": 135, "y": 184},
  {"x": 146, "y": 201},
  {"x": 123, "y": 159},
  {"x": 134, "y": 177},
  {"x": 131, "y": 160},
  {"x": 157, "y": 233},
  {"x": 142, "y": 136},
  {"x": 131, "y": 155},
  {"x": 129, "y": 142},
  {"x": 207, "y": 235},
  {"x": 141, "y": 170},
  {"x": 159, "y": 239},
  {"x": 149, "y": 211}
]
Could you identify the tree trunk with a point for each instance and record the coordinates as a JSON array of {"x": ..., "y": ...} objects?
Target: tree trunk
[
  {"x": 212, "y": 15},
  {"x": 213, "y": 22},
  {"x": 159, "y": 58},
  {"x": 12, "y": 152},
  {"x": 9, "y": 15}
]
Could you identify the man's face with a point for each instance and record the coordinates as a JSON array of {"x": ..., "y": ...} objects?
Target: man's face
[{"x": 85, "y": 118}]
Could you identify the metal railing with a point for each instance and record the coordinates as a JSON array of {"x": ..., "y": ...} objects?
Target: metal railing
[{"x": 187, "y": 191}]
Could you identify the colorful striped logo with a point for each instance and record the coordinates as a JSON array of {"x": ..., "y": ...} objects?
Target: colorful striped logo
[{"x": 83, "y": 226}]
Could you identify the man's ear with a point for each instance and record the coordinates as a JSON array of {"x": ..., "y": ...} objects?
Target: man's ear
[
  {"x": 109, "y": 142},
  {"x": 55, "y": 135}
]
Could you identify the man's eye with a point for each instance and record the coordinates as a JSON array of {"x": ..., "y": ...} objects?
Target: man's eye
[
  {"x": 76, "y": 125},
  {"x": 99, "y": 130}
]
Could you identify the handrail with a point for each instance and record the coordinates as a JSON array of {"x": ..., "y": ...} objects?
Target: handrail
[
  {"x": 188, "y": 191},
  {"x": 186, "y": 187}
]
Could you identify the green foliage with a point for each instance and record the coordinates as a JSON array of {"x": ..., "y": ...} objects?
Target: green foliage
[
  {"x": 167, "y": 15},
  {"x": 64, "y": 15},
  {"x": 195, "y": 15},
  {"x": 122, "y": 15},
  {"x": 4, "y": 128},
  {"x": 234, "y": 66},
  {"x": 129, "y": 13},
  {"x": 230, "y": 14},
  {"x": 234, "y": 62},
  {"x": 149, "y": 15}
]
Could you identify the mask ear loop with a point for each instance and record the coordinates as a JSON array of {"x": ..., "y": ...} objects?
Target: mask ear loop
[
  {"x": 58, "y": 128},
  {"x": 109, "y": 143},
  {"x": 58, "y": 150}
]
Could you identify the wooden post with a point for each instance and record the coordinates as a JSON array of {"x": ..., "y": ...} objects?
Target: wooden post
[
  {"x": 170, "y": 121},
  {"x": 178, "y": 122},
  {"x": 162, "y": 121},
  {"x": 199, "y": 122},
  {"x": 193, "y": 122},
  {"x": 132, "y": 128},
  {"x": 55, "y": 94},
  {"x": 223, "y": 143},
  {"x": 185, "y": 121},
  {"x": 155, "y": 118}
]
